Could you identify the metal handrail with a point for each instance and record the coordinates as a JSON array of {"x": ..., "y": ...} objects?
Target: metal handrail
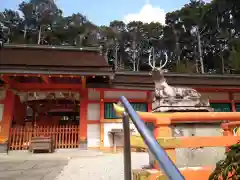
[{"x": 165, "y": 163}]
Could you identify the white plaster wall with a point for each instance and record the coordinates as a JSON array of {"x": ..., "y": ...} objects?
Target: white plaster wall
[
  {"x": 93, "y": 134},
  {"x": 215, "y": 95},
  {"x": 93, "y": 111},
  {"x": 108, "y": 138},
  {"x": 93, "y": 94},
  {"x": 2, "y": 94},
  {"x": 1, "y": 111},
  {"x": 140, "y": 95},
  {"x": 197, "y": 130}
]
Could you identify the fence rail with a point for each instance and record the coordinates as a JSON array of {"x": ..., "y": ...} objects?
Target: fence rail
[{"x": 65, "y": 136}]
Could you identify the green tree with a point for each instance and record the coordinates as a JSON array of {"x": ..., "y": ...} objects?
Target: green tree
[
  {"x": 11, "y": 21},
  {"x": 27, "y": 10}
]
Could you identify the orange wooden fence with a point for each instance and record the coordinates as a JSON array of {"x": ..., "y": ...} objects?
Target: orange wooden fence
[{"x": 65, "y": 136}]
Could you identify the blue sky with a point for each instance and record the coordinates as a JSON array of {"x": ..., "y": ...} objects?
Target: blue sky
[{"x": 103, "y": 11}]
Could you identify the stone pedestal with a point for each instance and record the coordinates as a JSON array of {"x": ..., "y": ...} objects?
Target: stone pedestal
[
  {"x": 151, "y": 159},
  {"x": 83, "y": 145},
  {"x": 3, "y": 148}
]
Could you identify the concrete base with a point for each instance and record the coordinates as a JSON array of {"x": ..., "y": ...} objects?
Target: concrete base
[
  {"x": 83, "y": 145},
  {"x": 4, "y": 148}
]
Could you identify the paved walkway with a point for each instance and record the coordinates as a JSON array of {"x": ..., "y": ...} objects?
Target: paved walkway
[
  {"x": 31, "y": 169},
  {"x": 106, "y": 167},
  {"x": 66, "y": 165}
]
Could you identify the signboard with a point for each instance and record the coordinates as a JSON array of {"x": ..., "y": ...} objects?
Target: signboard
[{"x": 221, "y": 107}]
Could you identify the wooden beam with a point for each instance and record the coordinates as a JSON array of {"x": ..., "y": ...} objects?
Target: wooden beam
[
  {"x": 83, "y": 79},
  {"x": 116, "y": 89},
  {"x": 46, "y": 87},
  {"x": 184, "y": 117},
  {"x": 188, "y": 142},
  {"x": 39, "y": 75},
  {"x": 217, "y": 89},
  {"x": 5, "y": 79},
  {"x": 111, "y": 120},
  {"x": 202, "y": 89},
  {"x": 45, "y": 79},
  {"x": 8, "y": 82}
]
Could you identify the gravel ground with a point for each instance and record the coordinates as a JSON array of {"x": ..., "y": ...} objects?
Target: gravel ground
[{"x": 106, "y": 167}]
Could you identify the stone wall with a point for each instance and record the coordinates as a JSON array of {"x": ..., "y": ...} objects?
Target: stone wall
[{"x": 189, "y": 157}]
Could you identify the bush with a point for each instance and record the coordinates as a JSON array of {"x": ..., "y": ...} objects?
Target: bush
[{"x": 230, "y": 167}]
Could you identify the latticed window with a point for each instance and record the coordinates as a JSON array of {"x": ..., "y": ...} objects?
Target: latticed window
[
  {"x": 109, "y": 112},
  {"x": 221, "y": 107}
]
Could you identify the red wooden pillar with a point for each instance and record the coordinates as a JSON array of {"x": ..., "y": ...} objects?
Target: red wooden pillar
[
  {"x": 149, "y": 100},
  {"x": 232, "y": 102},
  {"x": 8, "y": 111},
  {"x": 83, "y": 119},
  {"x": 101, "y": 119}
]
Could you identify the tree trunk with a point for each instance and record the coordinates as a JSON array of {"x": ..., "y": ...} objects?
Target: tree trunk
[
  {"x": 177, "y": 46},
  {"x": 25, "y": 32},
  {"x": 39, "y": 34},
  {"x": 116, "y": 58},
  {"x": 9, "y": 32},
  {"x": 134, "y": 55},
  {"x": 134, "y": 64},
  {"x": 121, "y": 62},
  {"x": 196, "y": 58},
  {"x": 137, "y": 65},
  {"x": 106, "y": 55},
  {"x": 75, "y": 41},
  {"x": 223, "y": 64},
  {"x": 178, "y": 53},
  {"x": 200, "y": 52}
]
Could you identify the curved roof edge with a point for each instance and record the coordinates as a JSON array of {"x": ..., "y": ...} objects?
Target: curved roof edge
[{"x": 49, "y": 47}]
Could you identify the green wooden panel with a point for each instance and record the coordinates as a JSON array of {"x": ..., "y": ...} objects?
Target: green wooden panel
[
  {"x": 109, "y": 112},
  {"x": 139, "y": 107},
  {"x": 221, "y": 107},
  {"x": 237, "y": 106}
]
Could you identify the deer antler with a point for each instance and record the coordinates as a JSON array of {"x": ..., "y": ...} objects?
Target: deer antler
[
  {"x": 166, "y": 60},
  {"x": 150, "y": 57}
]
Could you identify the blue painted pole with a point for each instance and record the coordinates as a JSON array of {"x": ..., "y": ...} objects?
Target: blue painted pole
[{"x": 165, "y": 163}]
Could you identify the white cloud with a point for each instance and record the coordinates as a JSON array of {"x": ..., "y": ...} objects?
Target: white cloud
[{"x": 147, "y": 14}]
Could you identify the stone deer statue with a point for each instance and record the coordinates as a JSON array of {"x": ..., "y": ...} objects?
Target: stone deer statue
[{"x": 169, "y": 96}]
